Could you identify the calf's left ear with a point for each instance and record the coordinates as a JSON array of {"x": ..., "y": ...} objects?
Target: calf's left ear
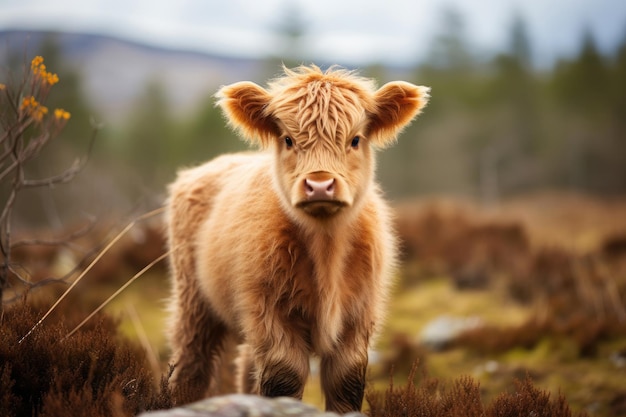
[
  {"x": 396, "y": 104},
  {"x": 244, "y": 105}
]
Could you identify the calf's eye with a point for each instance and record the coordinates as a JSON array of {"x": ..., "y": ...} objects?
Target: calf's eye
[
  {"x": 288, "y": 142},
  {"x": 355, "y": 142}
]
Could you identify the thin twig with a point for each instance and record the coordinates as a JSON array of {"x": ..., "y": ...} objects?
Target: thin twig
[
  {"x": 116, "y": 293},
  {"x": 50, "y": 280},
  {"x": 62, "y": 178},
  {"x": 58, "y": 241},
  {"x": 31, "y": 286},
  {"x": 86, "y": 270},
  {"x": 21, "y": 128},
  {"x": 18, "y": 275},
  {"x": 67, "y": 175}
]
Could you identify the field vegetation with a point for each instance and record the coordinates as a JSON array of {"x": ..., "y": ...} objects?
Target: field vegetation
[{"x": 549, "y": 318}]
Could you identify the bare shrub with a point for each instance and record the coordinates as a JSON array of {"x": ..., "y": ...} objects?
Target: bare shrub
[{"x": 27, "y": 126}]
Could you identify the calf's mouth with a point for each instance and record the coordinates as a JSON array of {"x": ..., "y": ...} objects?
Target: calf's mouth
[{"x": 321, "y": 208}]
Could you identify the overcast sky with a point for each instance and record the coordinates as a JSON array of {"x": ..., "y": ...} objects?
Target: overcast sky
[{"x": 357, "y": 31}]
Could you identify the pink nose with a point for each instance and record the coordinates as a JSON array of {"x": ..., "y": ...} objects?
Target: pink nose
[{"x": 319, "y": 190}]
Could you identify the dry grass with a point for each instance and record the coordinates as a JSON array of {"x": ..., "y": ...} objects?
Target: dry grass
[{"x": 430, "y": 397}]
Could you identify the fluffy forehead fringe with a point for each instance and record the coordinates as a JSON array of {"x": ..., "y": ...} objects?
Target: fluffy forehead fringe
[
  {"x": 320, "y": 106},
  {"x": 338, "y": 76}
]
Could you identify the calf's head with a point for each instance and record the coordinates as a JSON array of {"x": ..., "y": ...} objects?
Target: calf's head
[{"x": 323, "y": 127}]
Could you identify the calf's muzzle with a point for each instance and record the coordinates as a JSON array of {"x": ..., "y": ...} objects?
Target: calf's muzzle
[
  {"x": 320, "y": 195},
  {"x": 319, "y": 190}
]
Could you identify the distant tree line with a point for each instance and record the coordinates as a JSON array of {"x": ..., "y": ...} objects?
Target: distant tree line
[
  {"x": 494, "y": 127},
  {"x": 501, "y": 127}
]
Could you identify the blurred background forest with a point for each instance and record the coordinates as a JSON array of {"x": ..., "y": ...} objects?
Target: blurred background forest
[{"x": 497, "y": 125}]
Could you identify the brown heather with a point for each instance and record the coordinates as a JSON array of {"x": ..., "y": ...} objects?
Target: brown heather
[
  {"x": 95, "y": 371},
  {"x": 430, "y": 397},
  {"x": 101, "y": 373}
]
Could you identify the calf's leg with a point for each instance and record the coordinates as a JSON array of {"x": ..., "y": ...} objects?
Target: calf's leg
[
  {"x": 281, "y": 362},
  {"x": 196, "y": 338},
  {"x": 343, "y": 374},
  {"x": 282, "y": 379}
]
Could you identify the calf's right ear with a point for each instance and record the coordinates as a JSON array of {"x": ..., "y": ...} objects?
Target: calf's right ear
[{"x": 244, "y": 105}]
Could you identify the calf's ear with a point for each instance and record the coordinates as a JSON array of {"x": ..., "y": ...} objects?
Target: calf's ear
[
  {"x": 244, "y": 105},
  {"x": 395, "y": 105}
]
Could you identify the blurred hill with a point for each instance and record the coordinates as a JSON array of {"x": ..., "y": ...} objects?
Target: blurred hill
[{"x": 114, "y": 70}]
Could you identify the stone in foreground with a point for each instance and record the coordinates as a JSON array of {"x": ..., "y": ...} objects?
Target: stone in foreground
[{"x": 240, "y": 405}]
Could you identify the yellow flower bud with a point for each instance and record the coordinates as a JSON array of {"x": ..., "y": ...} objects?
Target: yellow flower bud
[
  {"x": 51, "y": 79},
  {"x": 36, "y": 62},
  {"x": 61, "y": 114}
]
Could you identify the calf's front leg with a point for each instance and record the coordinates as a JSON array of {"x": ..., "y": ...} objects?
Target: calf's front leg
[
  {"x": 343, "y": 376},
  {"x": 282, "y": 379},
  {"x": 281, "y": 358}
]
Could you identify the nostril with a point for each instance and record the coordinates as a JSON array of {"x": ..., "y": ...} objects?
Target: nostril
[{"x": 331, "y": 187}]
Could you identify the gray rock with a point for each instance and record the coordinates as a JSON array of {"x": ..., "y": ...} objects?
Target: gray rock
[
  {"x": 438, "y": 333},
  {"x": 240, "y": 405}
]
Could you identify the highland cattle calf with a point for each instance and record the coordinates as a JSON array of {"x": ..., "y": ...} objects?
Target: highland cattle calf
[{"x": 289, "y": 250}]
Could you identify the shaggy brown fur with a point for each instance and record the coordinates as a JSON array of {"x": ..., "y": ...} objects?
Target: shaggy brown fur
[{"x": 289, "y": 250}]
